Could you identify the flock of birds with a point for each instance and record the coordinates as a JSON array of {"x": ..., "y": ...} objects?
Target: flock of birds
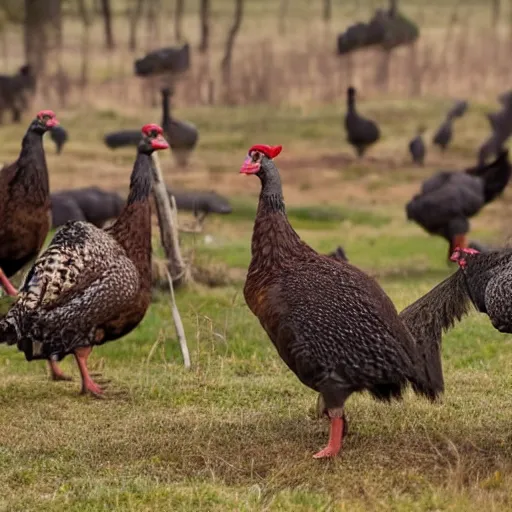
[
  {"x": 448, "y": 199},
  {"x": 331, "y": 323}
]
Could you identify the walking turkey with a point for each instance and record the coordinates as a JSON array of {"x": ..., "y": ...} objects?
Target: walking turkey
[
  {"x": 448, "y": 199},
  {"x": 417, "y": 147},
  {"x": 91, "y": 285},
  {"x": 444, "y": 134},
  {"x": 361, "y": 132},
  {"x": 332, "y": 324}
]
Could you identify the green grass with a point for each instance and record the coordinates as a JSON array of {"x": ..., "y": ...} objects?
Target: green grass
[{"x": 237, "y": 431}]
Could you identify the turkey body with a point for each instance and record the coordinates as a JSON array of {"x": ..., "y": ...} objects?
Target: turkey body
[
  {"x": 332, "y": 324},
  {"x": 361, "y": 132},
  {"x": 91, "y": 285},
  {"x": 448, "y": 200}
]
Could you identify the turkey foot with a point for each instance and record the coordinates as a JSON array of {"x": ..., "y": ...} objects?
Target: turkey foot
[
  {"x": 6, "y": 285},
  {"x": 88, "y": 385},
  {"x": 56, "y": 373},
  {"x": 333, "y": 447}
]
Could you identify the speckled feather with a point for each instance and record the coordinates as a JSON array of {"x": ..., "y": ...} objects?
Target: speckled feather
[
  {"x": 333, "y": 325},
  {"x": 90, "y": 285}
]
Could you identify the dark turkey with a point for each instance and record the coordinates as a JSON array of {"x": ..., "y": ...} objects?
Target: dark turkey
[
  {"x": 417, "y": 147},
  {"x": 97, "y": 206},
  {"x": 332, "y": 324},
  {"x": 361, "y": 132},
  {"x": 122, "y": 138},
  {"x": 91, "y": 285},
  {"x": 449, "y": 199}
]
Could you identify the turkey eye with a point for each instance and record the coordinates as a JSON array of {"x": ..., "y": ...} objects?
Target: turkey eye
[{"x": 255, "y": 156}]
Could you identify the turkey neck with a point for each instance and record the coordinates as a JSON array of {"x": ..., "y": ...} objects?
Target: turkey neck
[
  {"x": 132, "y": 229},
  {"x": 274, "y": 241},
  {"x": 351, "y": 103},
  {"x": 31, "y": 172}
]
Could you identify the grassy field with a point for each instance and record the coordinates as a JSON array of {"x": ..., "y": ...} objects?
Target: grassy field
[{"x": 237, "y": 431}]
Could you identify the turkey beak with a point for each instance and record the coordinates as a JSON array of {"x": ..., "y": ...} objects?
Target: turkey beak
[
  {"x": 249, "y": 167},
  {"x": 53, "y": 121},
  {"x": 159, "y": 143}
]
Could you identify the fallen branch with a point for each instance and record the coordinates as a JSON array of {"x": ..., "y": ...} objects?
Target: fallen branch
[
  {"x": 180, "y": 331},
  {"x": 167, "y": 221}
]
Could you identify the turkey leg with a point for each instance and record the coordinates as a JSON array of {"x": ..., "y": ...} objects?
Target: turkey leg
[
  {"x": 335, "y": 439},
  {"x": 6, "y": 285},
  {"x": 88, "y": 385},
  {"x": 55, "y": 372},
  {"x": 458, "y": 241}
]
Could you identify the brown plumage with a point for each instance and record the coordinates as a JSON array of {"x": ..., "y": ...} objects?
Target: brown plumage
[
  {"x": 25, "y": 200},
  {"x": 25, "y": 207},
  {"x": 332, "y": 324},
  {"x": 91, "y": 285}
]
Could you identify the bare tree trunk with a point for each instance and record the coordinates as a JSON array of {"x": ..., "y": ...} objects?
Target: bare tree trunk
[
  {"x": 84, "y": 46},
  {"x": 35, "y": 36},
  {"x": 225, "y": 65},
  {"x": 178, "y": 18},
  {"x": 496, "y": 10},
  {"x": 327, "y": 11},
  {"x": 204, "y": 15},
  {"x": 393, "y": 6},
  {"x": 135, "y": 15},
  {"x": 283, "y": 14},
  {"x": 107, "y": 20}
]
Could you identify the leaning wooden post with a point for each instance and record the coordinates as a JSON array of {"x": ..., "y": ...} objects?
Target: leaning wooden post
[{"x": 179, "y": 270}]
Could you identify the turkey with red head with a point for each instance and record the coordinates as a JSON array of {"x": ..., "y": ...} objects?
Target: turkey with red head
[
  {"x": 91, "y": 285},
  {"x": 332, "y": 324},
  {"x": 25, "y": 211}
]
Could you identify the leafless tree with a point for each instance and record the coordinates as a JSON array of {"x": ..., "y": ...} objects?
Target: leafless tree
[
  {"x": 107, "y": 20},
  {"x": 84, "y": 46},
  {"x": 393, "y": 6},
  {"x": 228, "y": 52},
  {"x": 35, "y": 33},
  {"x": 204, "y": 16},
  {"x": 496, "y": 11},
  {"x": 327, "y": 11},
  {"x": 283, "y": 14},
  {"x": 178, "y": 19},
  {"x": 135, "y": 15}
]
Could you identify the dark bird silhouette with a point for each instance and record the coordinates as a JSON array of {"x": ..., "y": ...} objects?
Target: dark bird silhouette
[
  {"x": 449, "y": 199},
  {"x": 96, "y": 205},
  {"x": 91, "y": 285},
  {"x": 444, "y": 134},
  {"x": 182, "y": 136},
  {"x": 64, "y": 209},
  {"x": 59, "y": 136},
  {"x": 417, "y": 147},
  {"x": 332, "y": 324},
  {"x": 201, "y": 203},
  {"x": 361, "y": 132},
  {"x": 338, "y": 254},
  {"x": 122, "y": 138}
]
